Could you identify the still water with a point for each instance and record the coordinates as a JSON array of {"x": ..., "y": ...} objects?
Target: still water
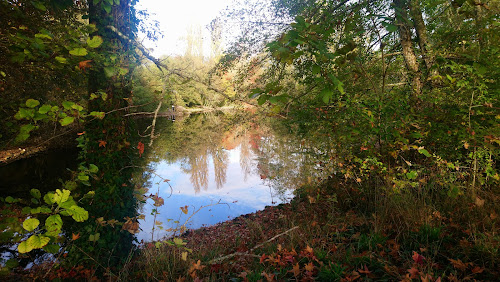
[
  {"x": 214, "y": 175},
  {"x": 198, "y": 171}
]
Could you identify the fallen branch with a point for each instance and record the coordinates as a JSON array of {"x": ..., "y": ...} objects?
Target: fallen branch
[{"x": 220, "y": 259}]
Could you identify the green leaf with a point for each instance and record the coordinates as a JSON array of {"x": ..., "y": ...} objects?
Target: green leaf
[
  {"x": 12, "y": 263},
  {"x": 179, "y": 242},
  {"x": 316, "y": 69},
  {"x": 93, "y": 168},
  {"x": 109, "y": 71},
  {"x": 66, "y": 121},
  {"x": 79, "y": 52},
  {"x": 79, "y": 214},
  {"x": 43, "y": 35},
  {"x": 25, "y": 113},
  {"x": 70, "y": 185},
  {"x": 106, "y": 7},
  {"x": 30, "y": 224},
  {"x": 36, "y": 193},
  {"x": 94, "y": 237},
  {"x": 24, "y": 248},
  {"x": 26, "y": 210},
  {"x": 44, "y": 109},
  {"x": 37, "y": 241},
  {"x": 39, "y": 6},
  {"x": 77, "y": 107},
  {"x": 53, "y": 224},
  {"x": 412, "y": 174},
  {"x": 31, "y": 103},
  {"x": 424, "y": 152},
  {"x": 83, "y": 177},
  {"x": 95, "y": 42},
  {"x": 61, "y": 60},
  {"x": 24, "y": 132},
  {"x": 61, "y": 196},
  {"x": 390, "y": 27},
  {"x": 326, "y": 95},
  {"x": 99, "y": 115},
  {"x": 49, "y": 198},
  {"x": 68, "y": 105},
  {"x": 52, "y": 248},
  {"x": 10, "y": 200}
]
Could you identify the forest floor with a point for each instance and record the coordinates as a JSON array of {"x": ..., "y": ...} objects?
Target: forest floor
[{"x": 322, "y": 235}]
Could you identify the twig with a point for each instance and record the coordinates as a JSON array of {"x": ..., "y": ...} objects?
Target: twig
[
  {"x": 153, "y": 125},
  {"x": 220, "y": 259}
]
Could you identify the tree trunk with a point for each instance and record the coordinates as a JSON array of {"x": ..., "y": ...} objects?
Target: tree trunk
[
  {"x": 408, "y": 51},
  {"x": 419, "y": 24}
]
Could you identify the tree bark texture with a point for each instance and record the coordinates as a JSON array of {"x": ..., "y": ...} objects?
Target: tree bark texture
[{"x": 411, "y": 62}]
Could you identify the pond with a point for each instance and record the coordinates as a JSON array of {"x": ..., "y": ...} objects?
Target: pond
[
  {"x": 211, "y": 174},
  {"x": 198, "y": 171}
]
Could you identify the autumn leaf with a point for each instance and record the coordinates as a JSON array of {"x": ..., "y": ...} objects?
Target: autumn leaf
[
  {"x": 477, "y": 269},
  {"x": 364, "y": 270},
  {"x": 102, "y": 143},
  {"x": 309, "y": 249},
  {"x": 184, "y": 209},
  {"x": 312, "y": 200},
  {"x": 418, "y": 258},
  {"x": 75, "y": 236},
  {"x": 413, "y": 272},
  {"x": 479, "y": 202},
  {"x": 269, "y": 277},
  {"x": 131, "y": 226},
  {"x": 194, "y": 267},
  {"x": 309, "y": 267},
  {"x": 295, "y": 270},
  {"x": 140, "y": 147},
  {"x": 83, "y": 65},
  {"x": 158, "y": 201},
  {"x": 263, "y": 258},
  {"x": 458, "y": 264}
]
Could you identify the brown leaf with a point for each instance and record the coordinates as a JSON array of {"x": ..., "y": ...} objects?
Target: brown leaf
[
  {"x": 102, "y": 143},
  {"x": 312, "y": 200},
  {"x": 479, "y": 202},
  {"x": 309, "y": 267},
  {"x": 477, "y": 269},
  {"x": 269, "y": 277},
  {"x": 418, "y": 258},
  {"x": 75, "y": 236},
  {"x": 364, "y": 270},
  {"x": 184, "y": 209},
  {"x": 413, "y": 272},
  {"x": 83, "y": 65},
  {"x": 458, "y": 264},
  {"x": 140, "y": 147},
  {"x": 295, "y": 270}
]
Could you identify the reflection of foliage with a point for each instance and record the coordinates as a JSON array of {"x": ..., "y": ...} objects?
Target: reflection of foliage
[
  {"x": 198, "y": 169},
  {"x": 220, "y": 160}
]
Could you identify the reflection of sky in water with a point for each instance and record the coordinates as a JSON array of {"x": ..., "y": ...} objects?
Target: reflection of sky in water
[{"x": 240, "y": 195}]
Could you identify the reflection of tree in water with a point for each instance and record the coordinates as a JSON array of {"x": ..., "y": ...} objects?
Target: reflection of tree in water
[
  {"x": 198, "y": 169},
  {"x": 287, "y": 164},
  {"x": 245, "y": 157},
  {"x": 220, "y": 159}
]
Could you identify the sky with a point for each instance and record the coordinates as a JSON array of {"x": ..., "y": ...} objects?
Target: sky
[
  {"x": 175, "y": 16},
  {"x": 239, "y": 195}
]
